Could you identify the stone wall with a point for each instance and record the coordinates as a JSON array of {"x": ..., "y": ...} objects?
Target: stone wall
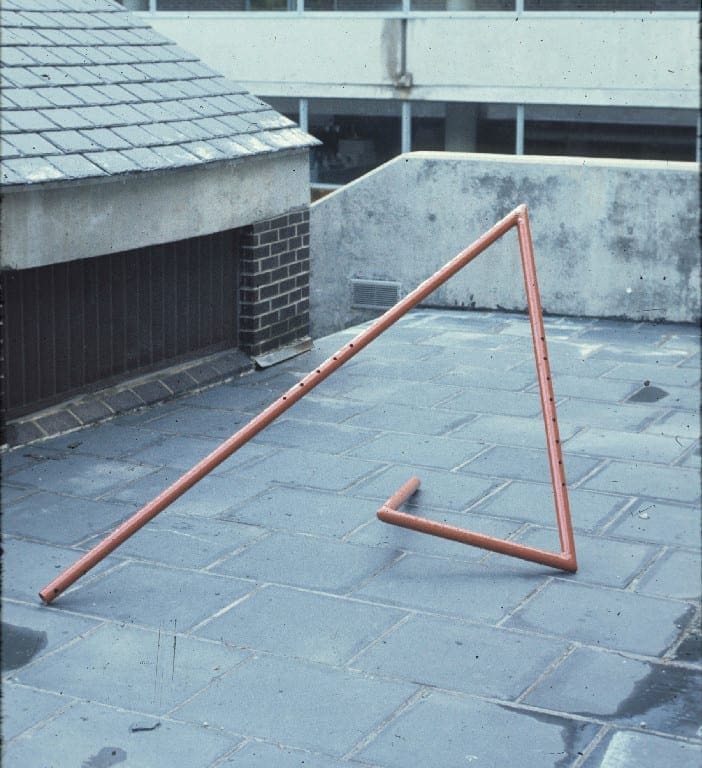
[{"x": 612, "y": 238}]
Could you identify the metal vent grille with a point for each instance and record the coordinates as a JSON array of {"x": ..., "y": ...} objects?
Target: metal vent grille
[{"x": 374, "y": 294}]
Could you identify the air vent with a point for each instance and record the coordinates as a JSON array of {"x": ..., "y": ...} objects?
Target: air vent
[{"x": 374, "y": 294}]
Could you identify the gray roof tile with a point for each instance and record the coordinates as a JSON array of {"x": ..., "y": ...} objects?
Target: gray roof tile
[
  {"x": 15, "y": 56},
  {"x": 230, "y": 147},
  {"x": 28, "y": 120},
  {"x": 127, "y": 114},
  {"x": 28, "y": 98},
  {"x": 114, "y": 93},
  {"x": 32, "y": 144},
  {"x": 8, "y": 176},
  {"x": 106, "y": 138},
  {"x": 76, "y": 166},
  {"x": 235, "y": 123},
  {"x": 191, "y": 129},
  {"x": 165, "y": 133},
  {"x": 59, "y": 97},
  {"x": 113, "y": 162},
  {"x": 66, "y": 118},
  {"x": 176, "y": 155},
  {"x": 146, "y": 159},
  {"x": 136, "y": 136},
  {"x": 97, "y": 91},
  {"x": 33, "y": 169},
  {"x": 70, "y": 141},
  {"x": 204, "y": 150},
  {"x": 86, "y": 94}
]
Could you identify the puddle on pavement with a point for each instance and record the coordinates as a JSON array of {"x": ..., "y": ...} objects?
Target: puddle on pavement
[
  {"x": 576, "y": 735},
  {"x": 105, "y": 758},
  {"x": 690, "y": 649},
  {"x": 20, "y": 645},
  {"x": 668, "y": 699},
  {"x": 647, "y": 394}
]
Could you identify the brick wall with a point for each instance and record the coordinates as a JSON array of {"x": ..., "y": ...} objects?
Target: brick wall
[{"x": 274, "y": 282}]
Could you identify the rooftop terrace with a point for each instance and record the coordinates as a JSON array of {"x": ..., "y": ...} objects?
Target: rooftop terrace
[{"x": 269, "y": 619}]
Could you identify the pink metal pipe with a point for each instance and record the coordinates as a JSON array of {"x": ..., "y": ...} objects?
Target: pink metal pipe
[
  {"x": 566, "y": 560},
  {"x": 279, "y": 406}
]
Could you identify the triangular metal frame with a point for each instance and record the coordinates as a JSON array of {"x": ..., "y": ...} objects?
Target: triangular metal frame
[{"x": 565, "y": 560}]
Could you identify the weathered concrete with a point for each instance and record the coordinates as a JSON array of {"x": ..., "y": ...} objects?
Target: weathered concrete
[
  {"x": 612, "y": 238},
  {"x": 50, "y": 225}
]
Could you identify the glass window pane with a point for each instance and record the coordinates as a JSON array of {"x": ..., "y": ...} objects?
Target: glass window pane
[
  {"x": 356, "y": 135},
  {"x": 603, "y": 132},
  {"x": 224, "y": 5},
  {"x": 611, "y": 5},
  {"x": 462, "y": 5},
  {"x": 353, "y": 5}
]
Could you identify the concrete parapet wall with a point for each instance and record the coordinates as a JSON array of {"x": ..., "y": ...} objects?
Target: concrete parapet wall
[{"x": 612, "y": 238}]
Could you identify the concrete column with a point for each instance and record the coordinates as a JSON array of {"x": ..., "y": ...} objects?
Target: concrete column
[{"x": 460, "y": 133}]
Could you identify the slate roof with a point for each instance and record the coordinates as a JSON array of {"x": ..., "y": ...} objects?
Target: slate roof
[{"x": 88, "y": 90}]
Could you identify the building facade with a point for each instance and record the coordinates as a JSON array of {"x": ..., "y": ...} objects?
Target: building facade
[{"x": 374, "y": 78}]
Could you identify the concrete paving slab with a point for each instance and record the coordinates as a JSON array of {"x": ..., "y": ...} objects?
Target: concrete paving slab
[
  {"x": 497, "y": 401},
  {"x": 676, "y": 574},
  {"x": 510, "y": 430},
  {"x": 208, "y": 498},
  {"x": 133, "y": 668},
  {"x": 29, "y": 632},
  {"x": 467, "y": 730},
  {"x": 297, "y": 703},
  {"x": 419, "y": 450},
  {"x": 527, "y": 464},
  {"x": 303, "y": 510},
  {"x": 25, "y": 707},
  {"x": 83, "y": 476},
  {"x": 626, "y": 417},
  {"x": 657, "y": 449},
  {"x": 185, "y": 542},
  {"x": 600, "y": 560},
  {"x": 659, "y": 522},
  {"x": 620, "y": 748},
  {"x": 94, "y": 735},
  {"x": 307, "y": 561},
  {"x": 683, "y": 424},
  {"x": 533, "y": 502},
  {"x": 261, "y": 755},
  {"x": 410, "y": 541},
  {"x": 439, "y": 490},
  {"x": 612, "y": 687},
  {"x": 156, "y": 597},
  {"x": 475, "y": 659},
  {"x": 311, "y": 436},
  {"x": 401, "y": 418},
  {"x": 58, "y": 519},
  {"x": 604, "y": 617},
  {"x": 313, "y": 469},
  {"x": 465, "y": 590},
  {"x": 637, "y": 478},
  {"x": 658, "y": 375},
  {"x": 105, "y": 440},
  {"x": 27, "y": 566},
  {"x": 306, "y": 625}
]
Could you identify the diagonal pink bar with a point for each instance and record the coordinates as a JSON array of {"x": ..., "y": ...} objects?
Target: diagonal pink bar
[{"x": 260, "y": 422}]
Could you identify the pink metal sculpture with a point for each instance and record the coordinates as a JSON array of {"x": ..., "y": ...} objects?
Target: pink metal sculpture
[{"x": 566, "y": 560}]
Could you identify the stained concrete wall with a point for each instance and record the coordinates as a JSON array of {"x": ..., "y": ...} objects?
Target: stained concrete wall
[
  {"x": 586, "y": 58},
  {"x": 46, "y": 225},
  {"x": 612, "y": 238}
]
